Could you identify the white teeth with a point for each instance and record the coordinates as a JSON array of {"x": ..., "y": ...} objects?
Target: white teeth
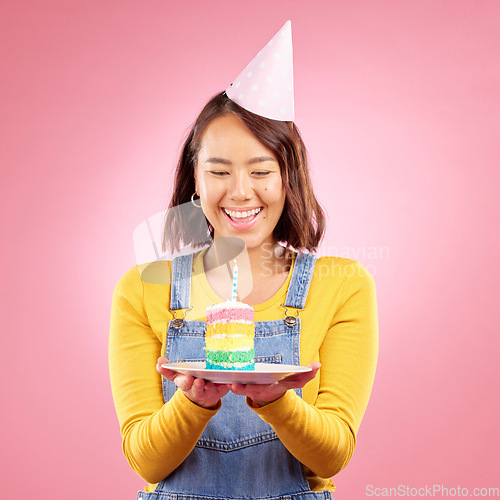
[{"x": 242, "y": 215}]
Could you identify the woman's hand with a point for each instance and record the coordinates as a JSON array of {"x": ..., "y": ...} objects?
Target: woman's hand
[
  {"x": 265, "y": 394},
  {"x": 199, "y": 391}
]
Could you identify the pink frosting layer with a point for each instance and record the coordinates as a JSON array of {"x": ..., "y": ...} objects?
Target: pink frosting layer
[{"x": 230, "y": 311}]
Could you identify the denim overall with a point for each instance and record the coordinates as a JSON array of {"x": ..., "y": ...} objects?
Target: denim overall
[{"x": 238, "y": 456}]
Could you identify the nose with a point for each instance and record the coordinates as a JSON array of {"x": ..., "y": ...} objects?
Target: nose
[{"x": 240, "y": 186}]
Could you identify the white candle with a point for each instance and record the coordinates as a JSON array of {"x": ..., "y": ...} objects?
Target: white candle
[{"x": 235, "y": 282}]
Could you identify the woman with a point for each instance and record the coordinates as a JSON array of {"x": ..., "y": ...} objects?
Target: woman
[{"x": 195, "y": 439}]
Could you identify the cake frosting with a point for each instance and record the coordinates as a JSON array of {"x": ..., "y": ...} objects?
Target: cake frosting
[{"x": 229, "y": 338}]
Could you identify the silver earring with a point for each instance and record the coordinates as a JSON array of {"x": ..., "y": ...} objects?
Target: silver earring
[{"x": 192, "y": 201}]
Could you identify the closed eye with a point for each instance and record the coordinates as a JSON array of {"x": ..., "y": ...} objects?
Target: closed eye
[
  {"x": 218, "y": 172},
  {"x": 261, "y": 173}
]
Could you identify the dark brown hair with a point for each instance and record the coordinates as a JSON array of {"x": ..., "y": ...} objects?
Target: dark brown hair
[{"x": 302, "y": 223}]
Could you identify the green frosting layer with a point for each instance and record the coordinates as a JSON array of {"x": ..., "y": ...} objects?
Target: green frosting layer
[
  {"x": 240, "y": 367},
  {"x": 231, "y": 356}
]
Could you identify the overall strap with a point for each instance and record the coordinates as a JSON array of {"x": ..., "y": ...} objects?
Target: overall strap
[
  {"x": 301, "y": 280},
  {"x": 180, "y": 286}
]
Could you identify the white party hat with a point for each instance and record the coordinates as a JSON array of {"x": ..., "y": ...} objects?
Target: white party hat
[{"x": 265, "y": 86}]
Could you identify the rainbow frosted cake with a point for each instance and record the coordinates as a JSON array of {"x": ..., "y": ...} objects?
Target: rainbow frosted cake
[{"x": 229, "y": 339}]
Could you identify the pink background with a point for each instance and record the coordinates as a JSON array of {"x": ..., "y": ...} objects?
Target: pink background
[{"x": 398, "y": 103}]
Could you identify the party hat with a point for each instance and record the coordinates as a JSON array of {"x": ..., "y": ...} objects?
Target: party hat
[{"x": 265, "y": 86}]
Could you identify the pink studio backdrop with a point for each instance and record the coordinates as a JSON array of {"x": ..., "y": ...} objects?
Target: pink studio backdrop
[{"x": 398, "y": 103}]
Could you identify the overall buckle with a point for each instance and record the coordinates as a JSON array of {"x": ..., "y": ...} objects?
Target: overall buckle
[
  {"x": 291, "y": 320},
  {"x": 178, "y": 323}
]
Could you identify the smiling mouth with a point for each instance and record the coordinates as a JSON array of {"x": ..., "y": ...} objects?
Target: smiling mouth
[{"x": 242, "y": 216}]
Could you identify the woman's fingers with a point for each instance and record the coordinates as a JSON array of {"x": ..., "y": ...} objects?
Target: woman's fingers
[
  {"x": 299, "y": 380},
  {"x": 202, "y": 388},
  {"x": 264, "y": 394},
  {"x": 207, "y": 394},
  {"x": 184, "y": 382},
  {"x": 238, "y": 389},
  {"x": 159, "y": 368},
  {"x": 259, "y": 392},
  {"x": 198, "y": 390}
]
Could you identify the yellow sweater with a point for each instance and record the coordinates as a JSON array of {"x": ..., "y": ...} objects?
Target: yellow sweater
[{"x": 339, "y": 329}]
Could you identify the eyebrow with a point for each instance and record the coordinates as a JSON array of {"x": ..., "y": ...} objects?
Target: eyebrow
[{"x": 257, "y": 159}]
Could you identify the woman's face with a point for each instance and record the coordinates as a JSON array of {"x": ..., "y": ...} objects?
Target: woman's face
[{"x": 238, "y": 180}]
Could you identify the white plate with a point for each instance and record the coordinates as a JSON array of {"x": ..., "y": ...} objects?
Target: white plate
[{"x": 264, "y": 373}]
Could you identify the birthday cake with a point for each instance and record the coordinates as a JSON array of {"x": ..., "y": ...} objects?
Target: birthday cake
[{"x": 229, "y": 338}]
